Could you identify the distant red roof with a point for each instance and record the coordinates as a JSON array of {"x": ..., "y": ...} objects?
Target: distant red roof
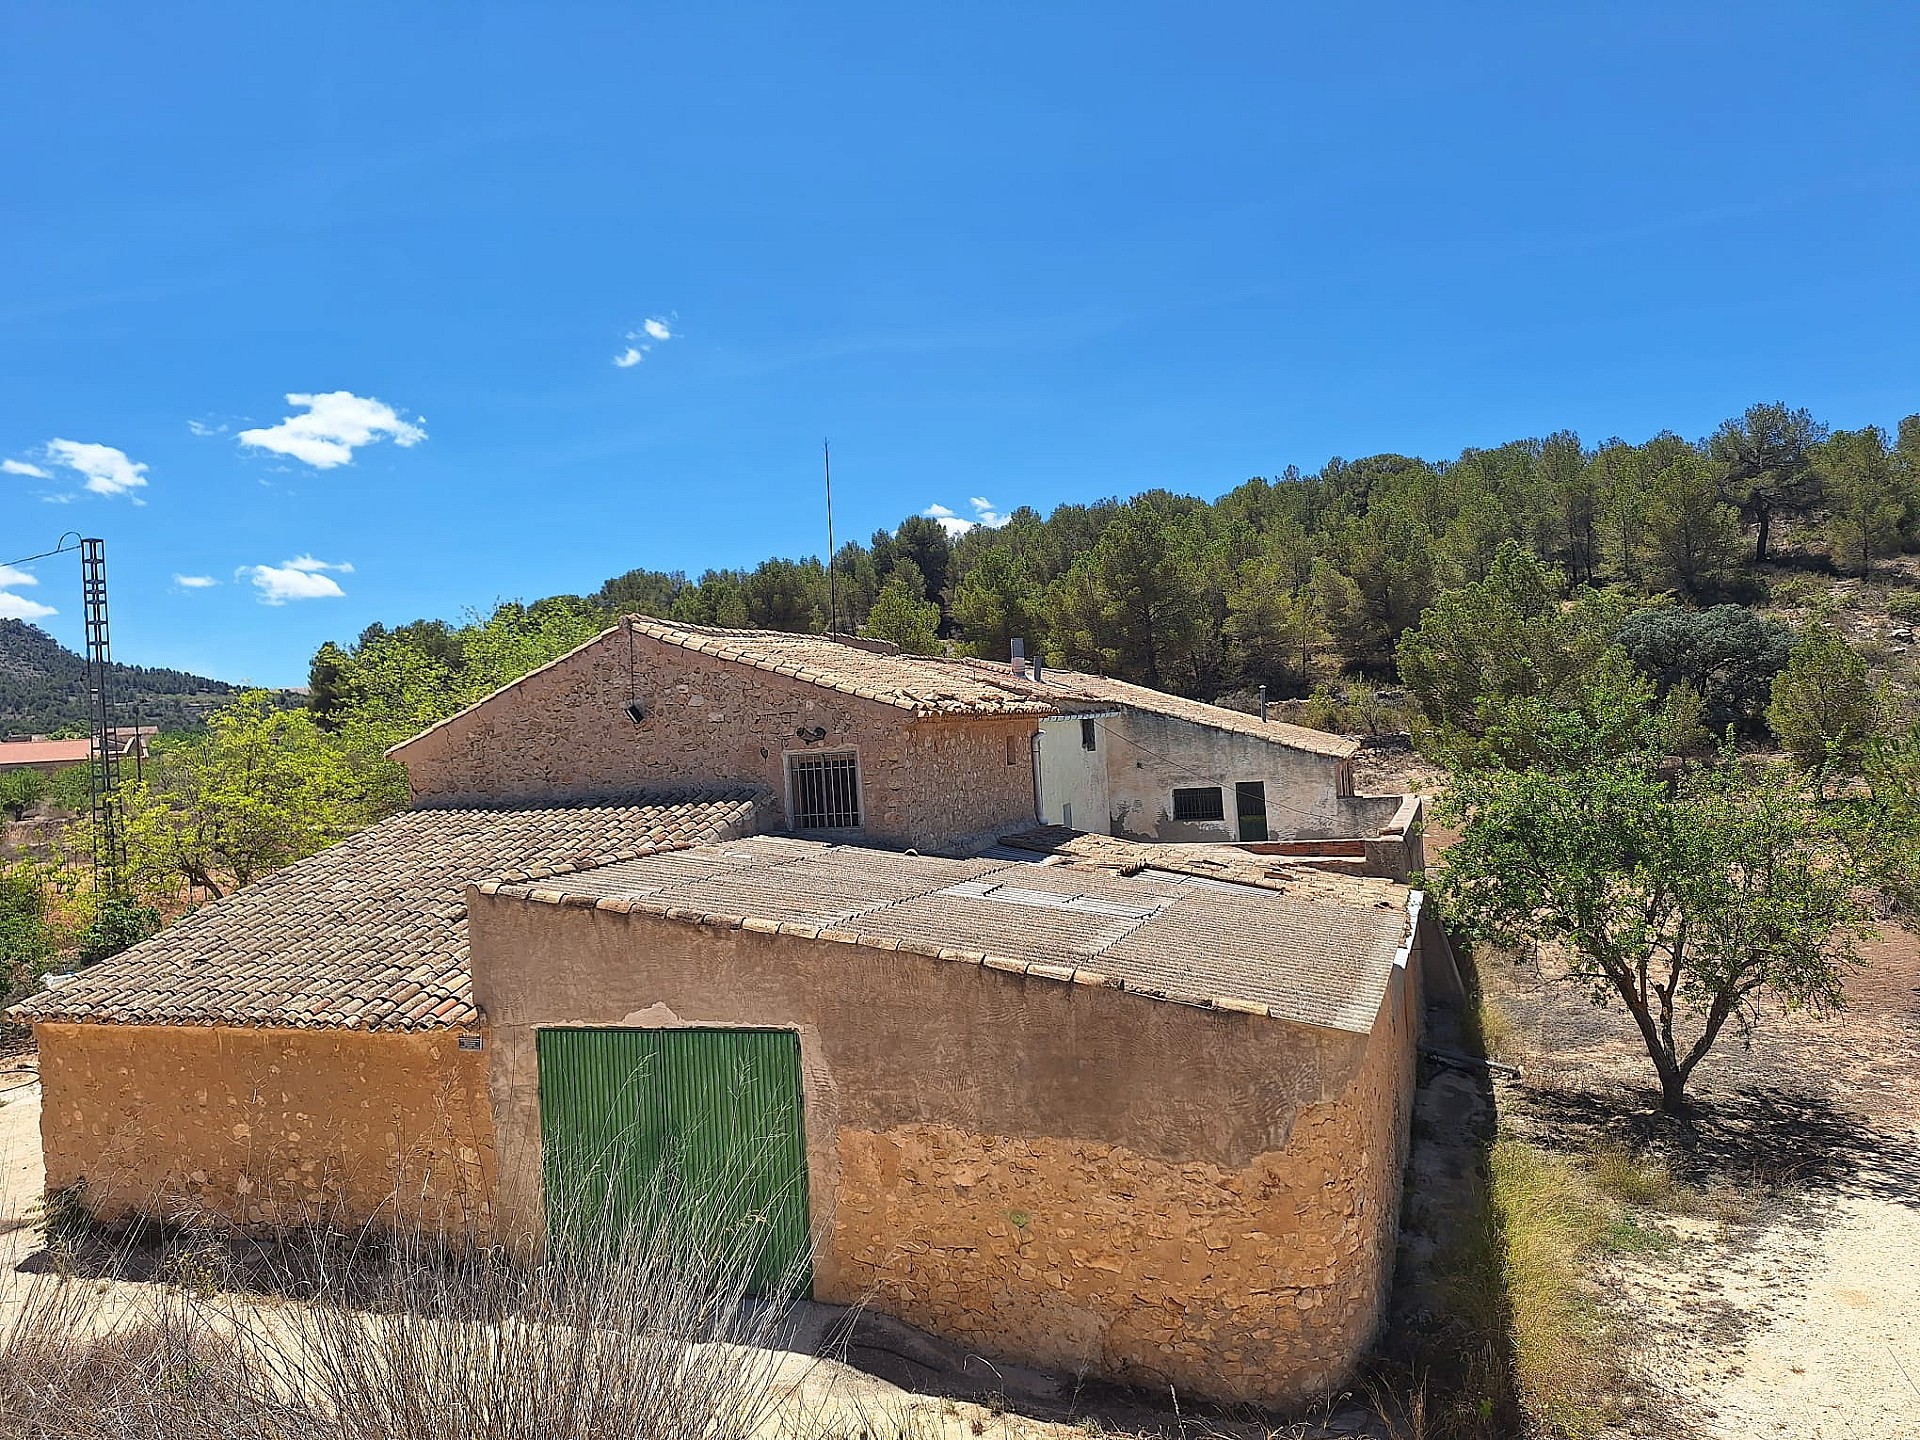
[{"x": 16, "y": 753}]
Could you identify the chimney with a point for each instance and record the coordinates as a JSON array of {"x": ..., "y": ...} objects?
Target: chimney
[
  {"x": 1018, "y": 663},
  {"x": 1263, "y": 704}
]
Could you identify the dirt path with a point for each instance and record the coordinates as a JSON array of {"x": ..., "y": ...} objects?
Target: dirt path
[{"x": 1801, "y": 1316}]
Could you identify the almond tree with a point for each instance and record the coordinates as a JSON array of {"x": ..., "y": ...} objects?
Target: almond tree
[{"x": 1687, "y": 905}]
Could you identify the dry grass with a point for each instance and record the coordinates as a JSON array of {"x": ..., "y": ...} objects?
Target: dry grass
[
  {"x": 1636, "y": 1180},
  {"x": 649, "y": 1332},
  {"x": 1553, "y": 1223}
]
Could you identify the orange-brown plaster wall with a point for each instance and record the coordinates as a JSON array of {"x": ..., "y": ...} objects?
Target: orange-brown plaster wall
[
  {"x": 1048, "y": 1172},
  {"x": 268, "y": 1127},
  {"x": 935, "y": 783}
]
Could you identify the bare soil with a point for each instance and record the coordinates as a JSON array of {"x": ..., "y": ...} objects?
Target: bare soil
[{"x": 1790, "y": 1303}]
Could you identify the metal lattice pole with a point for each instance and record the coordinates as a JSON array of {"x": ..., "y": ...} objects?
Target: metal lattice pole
[{"x": 109, "y": 844}]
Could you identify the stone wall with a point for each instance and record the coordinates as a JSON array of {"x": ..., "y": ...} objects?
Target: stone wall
[
  {"x": 938, "y": 783},
  {"x": 268, "y": 1127},
  {"x": 1046, "y": 1171}
]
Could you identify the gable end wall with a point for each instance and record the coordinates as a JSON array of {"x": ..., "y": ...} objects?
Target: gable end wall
[{"x": 562, "y": 733}]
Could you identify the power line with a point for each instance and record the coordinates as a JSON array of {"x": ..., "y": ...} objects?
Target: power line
[{"x": 60, "y": 548}]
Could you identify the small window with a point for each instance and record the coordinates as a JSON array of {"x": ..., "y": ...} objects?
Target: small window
[
  {"x": 1087, "y": 737},
  {"x": 1012, "y": 759},
  {"x": 1200, "y": 804},
  {"x": 824, "y": 791}
]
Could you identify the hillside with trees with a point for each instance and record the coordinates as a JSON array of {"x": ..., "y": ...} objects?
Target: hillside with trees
[
  {"x": 1289, "y": 579},
  {"x": 43, "y": 688}
]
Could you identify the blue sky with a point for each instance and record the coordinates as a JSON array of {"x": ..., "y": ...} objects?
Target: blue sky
[{"x": 1026, "y": 253}]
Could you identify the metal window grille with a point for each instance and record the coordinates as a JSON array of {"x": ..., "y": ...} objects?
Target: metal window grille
[
  {"x": 1199, "y": 804},
  {"x": 1086, "y": 735},
  {"x": 825, "y": 790}
]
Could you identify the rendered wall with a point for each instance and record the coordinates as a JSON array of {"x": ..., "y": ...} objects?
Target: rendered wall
[
  {"x": 562, "y": 732},
  {"x": 1073, "y": 779},
  {"x": 1057, "y": 1173},
  {"x": 268, "y": 1127},
  {"x": 1309, "y": 796}
]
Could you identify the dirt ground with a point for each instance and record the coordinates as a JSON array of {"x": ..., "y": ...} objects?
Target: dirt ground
[{"x": 1793, "y": 1307}]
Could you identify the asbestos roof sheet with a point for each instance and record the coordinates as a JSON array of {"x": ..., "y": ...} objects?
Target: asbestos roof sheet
[
  {"x": 1318, "y": 957},
  {"x": 372, "y": 933}
]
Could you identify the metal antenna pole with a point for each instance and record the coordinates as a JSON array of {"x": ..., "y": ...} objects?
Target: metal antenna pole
[
  {"x": 103, "y": 770},
  {"x": 833, "y": 592}
]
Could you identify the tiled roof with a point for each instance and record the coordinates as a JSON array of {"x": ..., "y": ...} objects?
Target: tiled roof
[
  {"x": 911, "y": 682},
  {"x": 1070, "y": 689},
  {"x": 371, "y": 934},
  {"x": 1313, "y": 958}
]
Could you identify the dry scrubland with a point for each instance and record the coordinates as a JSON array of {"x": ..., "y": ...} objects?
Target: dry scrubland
[{"x": 1747, "y": 1273}]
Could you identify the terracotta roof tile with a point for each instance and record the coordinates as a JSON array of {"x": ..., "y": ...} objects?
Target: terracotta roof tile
[
  {"x": 1067, "y": 690},
  {"x": 371, "y": 934}
]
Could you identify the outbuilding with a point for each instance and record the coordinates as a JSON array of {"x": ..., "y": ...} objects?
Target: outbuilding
[
  {"x": 308, "y": 1049},
  {"x": 1111, "y": 1118}
]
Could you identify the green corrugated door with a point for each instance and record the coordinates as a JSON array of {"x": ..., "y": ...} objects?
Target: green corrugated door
[{"x": 699, "y": 1126}]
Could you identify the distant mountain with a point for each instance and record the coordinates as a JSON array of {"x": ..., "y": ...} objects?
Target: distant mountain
[{"x": 43, "y": 688}]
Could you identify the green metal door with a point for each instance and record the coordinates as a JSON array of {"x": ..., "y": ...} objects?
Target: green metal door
[{"x": 700, "y": 1129}]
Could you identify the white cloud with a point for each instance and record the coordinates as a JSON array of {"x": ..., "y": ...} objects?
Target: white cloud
[
  {"x": 312, "y": 566},
  {"x": 200, "y": 427},
  {"x": 983, "y": 514},
  {"x": 334, "y": 426},
  {"x": 21, "y": 467},
  {"x": 10, "y": 577},
  {"x": 300, "y": 579},
  {"x": 654, "y": 330},
  {"x": 195, "y": 582},
  {"x": 18, "y": 607},
  {"x": 108, "y": 471}
]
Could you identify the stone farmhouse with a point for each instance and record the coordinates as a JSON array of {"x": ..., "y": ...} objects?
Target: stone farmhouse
[{"x": 783, "y": 908}]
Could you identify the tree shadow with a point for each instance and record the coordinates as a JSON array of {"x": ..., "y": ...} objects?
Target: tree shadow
[{"x": 1750, "y": 1137}]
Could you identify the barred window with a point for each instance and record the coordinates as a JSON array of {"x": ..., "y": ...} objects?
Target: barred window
[
  {"x": 824, "y": 790},
  {"x": 1199, "y": 804}
]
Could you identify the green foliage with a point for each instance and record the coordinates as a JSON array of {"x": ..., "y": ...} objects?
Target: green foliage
[
  {"x": 901, "y": 616},
  {"x": 26, "y": 937},
  {"x": 20, "y": 791},
  {"x": 1765, "y": 465},
  {"x": 1133, "y": 605},
  {"x": 1823, "y": 708},
  {"x": 1681, "y": 906},
  {"x": 71, "y": 789},
  {"x": 1726, "y": 655},
  {"x": 259, "y": 789},
  {"x": 117, "y": 923},
  {"x": 1891, "y": 814},
  {"x": 43, "y": 688},
  {"x": 1492, "y": 663},
  {"x": 1690, "y": 540},
  {"x": 1904, "y": 605},
  {"x": 1873, "y": 505}
]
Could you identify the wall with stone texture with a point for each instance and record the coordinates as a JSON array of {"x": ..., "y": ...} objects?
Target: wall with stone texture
[
  {"x": 268, "y": 1127},
  {"x": 1050, "y": 1172},
  {"x": 938, "y": 783}
]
